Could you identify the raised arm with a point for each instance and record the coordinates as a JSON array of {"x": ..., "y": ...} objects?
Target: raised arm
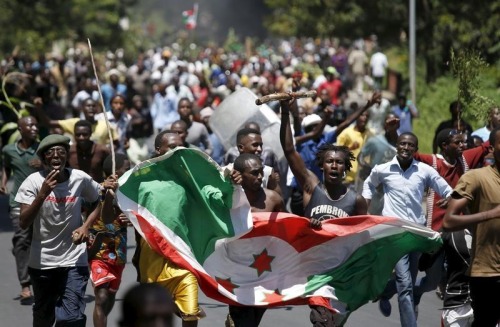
[
  {"x": 317, "y": 130},
  {"x": 297, "y": 165},
  {"x": 375, "y": 99}
]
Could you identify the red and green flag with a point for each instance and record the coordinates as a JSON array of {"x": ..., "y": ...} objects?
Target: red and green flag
[
  {"x": 189, "y": 17},
  {"x": 187, "y": 209}
]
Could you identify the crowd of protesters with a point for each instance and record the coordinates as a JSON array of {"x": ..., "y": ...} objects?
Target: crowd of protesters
[{"x": 52, "y": 117}]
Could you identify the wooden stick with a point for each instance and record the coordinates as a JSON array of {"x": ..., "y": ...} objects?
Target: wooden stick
[
  {"x": 285, "y": 96},
  {"x": 108, "y": 126}
]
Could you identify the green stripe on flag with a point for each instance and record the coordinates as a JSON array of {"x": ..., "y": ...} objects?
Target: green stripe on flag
[
  {"x": 198, "y": 211},
  {"x": 364, "y": 275}
]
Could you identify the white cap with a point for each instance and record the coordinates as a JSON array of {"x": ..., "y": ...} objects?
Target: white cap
[{"x": 311, "y": 120}]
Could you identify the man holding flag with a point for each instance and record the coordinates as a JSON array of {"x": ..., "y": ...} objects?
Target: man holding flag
[{"x": 187, "y": 208}]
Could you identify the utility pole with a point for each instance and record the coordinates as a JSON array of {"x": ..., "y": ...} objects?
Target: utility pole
[{"x": 412, "y": 52}]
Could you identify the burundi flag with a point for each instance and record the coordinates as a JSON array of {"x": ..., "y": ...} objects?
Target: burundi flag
[
  {"x": 187, "y": 209},
  {"x": 189, "y": 17}
]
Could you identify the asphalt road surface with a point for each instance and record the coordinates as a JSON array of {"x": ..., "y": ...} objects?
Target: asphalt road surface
[{"x": 14, "y": 314}]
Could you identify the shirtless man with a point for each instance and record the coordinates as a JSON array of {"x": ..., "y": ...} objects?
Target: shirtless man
[{"x": 261, "y": 199}]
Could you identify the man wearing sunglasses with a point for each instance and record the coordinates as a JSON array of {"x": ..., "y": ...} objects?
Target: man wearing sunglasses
[{"x": 51, "y": 200}]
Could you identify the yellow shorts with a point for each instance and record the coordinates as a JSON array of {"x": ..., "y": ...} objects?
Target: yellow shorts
[{"x": 181, "y": 283}]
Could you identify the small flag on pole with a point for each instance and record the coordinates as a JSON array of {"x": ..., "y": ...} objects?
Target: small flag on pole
[{"x": 190, "y": 16}]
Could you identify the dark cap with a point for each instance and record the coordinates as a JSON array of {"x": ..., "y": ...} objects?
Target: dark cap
[{"x": 50, "y": 141}]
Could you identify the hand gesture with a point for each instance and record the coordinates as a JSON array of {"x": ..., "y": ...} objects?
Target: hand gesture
[
  {"x": 49, "y": 183},
  {"x": 315, "y": 223}
]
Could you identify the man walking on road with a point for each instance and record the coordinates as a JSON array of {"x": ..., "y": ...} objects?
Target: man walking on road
[{"x": 20, "y": 160}]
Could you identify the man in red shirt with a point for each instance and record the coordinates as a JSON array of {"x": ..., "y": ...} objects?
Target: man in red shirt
[
  {"x": 451, "y": 164},
  {"x": 333, "y": 85}
]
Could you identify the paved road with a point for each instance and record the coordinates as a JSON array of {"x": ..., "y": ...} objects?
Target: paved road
[{"x": 13, "y": 314}]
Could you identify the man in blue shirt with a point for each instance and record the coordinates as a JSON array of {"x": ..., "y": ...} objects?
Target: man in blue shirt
[
  {"x": 406, "y": 112},
  {"x": 404, "y": 181}
]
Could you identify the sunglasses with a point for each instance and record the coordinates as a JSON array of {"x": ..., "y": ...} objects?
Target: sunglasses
[{"x": 60, "y": 151}]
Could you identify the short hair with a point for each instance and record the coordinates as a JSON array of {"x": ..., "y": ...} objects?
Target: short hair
[
  {"x": 160, "y": 135},
  {"x": 245, "y": 132},
  {"x": 239, "y": 163},
  {"x": 325, "y": 148},
  {"x": 409, "y": 134},
  {"x": 107, "y": 165},
  {"x": 117, "y": 95},
  {"x": 184, "y": 99},
  {"x": 252, "y": 123},
  {"x": 444, "y": 136},
  {"x": 493, "y": 136},
  {"x": 84, "y": 123},
  {"x": 140, "y": 296},
  {"x": 181, "y": 123}
]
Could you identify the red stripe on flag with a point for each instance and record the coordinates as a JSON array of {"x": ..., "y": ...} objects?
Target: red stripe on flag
[
  {"x": 300, "y": 236},
  {"x": 208, "y": 284}
]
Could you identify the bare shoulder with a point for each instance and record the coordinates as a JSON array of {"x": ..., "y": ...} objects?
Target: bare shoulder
[{"x": 274, "y": 201}]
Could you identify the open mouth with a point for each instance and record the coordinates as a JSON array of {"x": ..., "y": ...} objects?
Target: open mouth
[
  {"x": 335, "y": 174},
  {"x": 55, "y": 165}
]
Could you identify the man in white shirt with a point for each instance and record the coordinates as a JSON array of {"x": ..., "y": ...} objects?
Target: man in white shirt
[
  {"x": 378, "y": 65},
  {"x": 404, "y": 181}
]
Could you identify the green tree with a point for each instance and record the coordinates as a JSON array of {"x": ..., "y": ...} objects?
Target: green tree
[
  {"x": 34, "y": 25},
  {"x": 441, "y": 25}
]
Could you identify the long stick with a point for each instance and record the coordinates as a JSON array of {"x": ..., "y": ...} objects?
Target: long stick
[
  {"x": 285, "y": 96},
  {"x": 108, "y": 126}
]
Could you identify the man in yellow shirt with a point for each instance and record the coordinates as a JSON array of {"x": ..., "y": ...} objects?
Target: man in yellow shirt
[
  {"x": 99, "y": 128},
  {"x": 354, "y": 137}
]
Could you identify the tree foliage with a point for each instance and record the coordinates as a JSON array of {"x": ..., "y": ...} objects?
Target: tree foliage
[
  {"x": 35, "y": 25},
  {"x": 440, "y": 25}
]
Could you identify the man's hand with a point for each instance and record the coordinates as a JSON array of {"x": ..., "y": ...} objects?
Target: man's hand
[
  {"x": 80, "y": 235},
  {"x": 391, "y": 124},
  {"x": 286, "y": 105},
  {"x": 315, "y": 223},
  {"x": 3, "y": 190},
  {"x": 443, "y": 203},
  {"x": 375, "y": 99},
  {"x": 123, "y": 219},
  {"x": 49, "y": 183},
  {"x": 111, "y": 183},
  {"x": 236, "y": 177}
]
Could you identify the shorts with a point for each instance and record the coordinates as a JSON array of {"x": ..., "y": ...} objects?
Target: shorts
[
  {"x": 102, "y": 272},
  {"x": 181, "y": 283}
]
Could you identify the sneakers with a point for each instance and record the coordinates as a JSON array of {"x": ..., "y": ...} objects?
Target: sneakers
[{"x": 385, "y": 307}]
